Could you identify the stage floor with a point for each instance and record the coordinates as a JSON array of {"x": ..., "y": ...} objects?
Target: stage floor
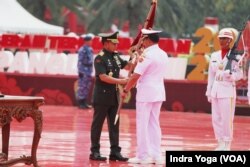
[{"x": 65, "y": 138}]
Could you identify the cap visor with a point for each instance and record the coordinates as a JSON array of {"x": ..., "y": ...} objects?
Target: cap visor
[
  {"x": 225, "y": 36},
  {"x": 113, "y": 40}
]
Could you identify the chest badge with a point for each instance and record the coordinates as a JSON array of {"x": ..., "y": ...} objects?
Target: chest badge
[{"x": 109, "y": 62}]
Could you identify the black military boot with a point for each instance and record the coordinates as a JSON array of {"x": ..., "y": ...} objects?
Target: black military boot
[{"x": 97, "y": 157}]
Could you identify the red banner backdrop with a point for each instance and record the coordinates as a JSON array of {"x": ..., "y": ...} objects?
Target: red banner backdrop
[{"x": 72, "y": 44}]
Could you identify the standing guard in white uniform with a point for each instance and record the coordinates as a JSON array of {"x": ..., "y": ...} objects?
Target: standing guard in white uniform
[
  {"x": 221, "y": 90},
  {"x": 149, "y": 76}
]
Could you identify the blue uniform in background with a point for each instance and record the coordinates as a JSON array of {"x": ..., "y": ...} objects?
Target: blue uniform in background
[{"x": 85, "y": 69}]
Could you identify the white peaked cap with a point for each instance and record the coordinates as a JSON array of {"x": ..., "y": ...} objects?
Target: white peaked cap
[
  {"x": 147, "y": 31},
  {"x": 226, "y": 33}
]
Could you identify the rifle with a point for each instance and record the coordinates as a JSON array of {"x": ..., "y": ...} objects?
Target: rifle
[
  {"x": 233, "y": 52},
  {"x": 137, "y": 44}
]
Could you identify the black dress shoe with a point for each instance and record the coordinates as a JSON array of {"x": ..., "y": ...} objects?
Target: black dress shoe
[
  {"x": 85, "y": 106},
  {"x": 97, "y": 157},
  {"x": 117, "y": 157}
]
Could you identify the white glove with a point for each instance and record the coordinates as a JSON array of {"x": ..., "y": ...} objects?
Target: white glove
[
  {"x": 249, "y": 100},
  {"x": 209, "y": 99}
]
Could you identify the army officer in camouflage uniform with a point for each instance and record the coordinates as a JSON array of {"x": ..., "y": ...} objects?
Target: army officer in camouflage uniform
[{"x": 105, "y": 98}]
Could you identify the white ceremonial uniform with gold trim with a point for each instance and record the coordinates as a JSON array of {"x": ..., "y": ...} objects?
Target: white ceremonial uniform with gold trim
[{"x": 221, "y": 90}]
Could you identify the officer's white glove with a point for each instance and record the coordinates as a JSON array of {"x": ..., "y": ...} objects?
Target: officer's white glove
[{"x": 209, "y": 99}]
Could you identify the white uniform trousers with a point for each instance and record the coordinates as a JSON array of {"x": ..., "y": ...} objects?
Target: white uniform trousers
[
  {"x": 222, "y": 118},
  {"x": 148, "y": 131}
]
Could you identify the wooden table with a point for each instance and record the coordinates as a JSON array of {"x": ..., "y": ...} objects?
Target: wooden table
[{"x": 20, "y": 107}]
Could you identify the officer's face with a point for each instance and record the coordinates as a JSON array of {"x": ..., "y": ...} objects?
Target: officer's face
[
  {"x": 225, "y": 42},
  {"x": 89, "y": 43},
  {"x": 111, "y": 46},
  {"x": 145, "y": 42}
]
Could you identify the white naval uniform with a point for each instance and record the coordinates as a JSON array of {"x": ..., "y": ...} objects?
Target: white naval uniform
[
  {"x": 221, "y": 88},
  {"x": 149, "y": 97}
]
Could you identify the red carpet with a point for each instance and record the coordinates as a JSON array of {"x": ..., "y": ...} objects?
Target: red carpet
[{"x": 65, "y": 138}]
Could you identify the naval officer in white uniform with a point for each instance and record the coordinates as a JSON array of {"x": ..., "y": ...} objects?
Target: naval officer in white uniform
[{"x": 149, "y": 79}]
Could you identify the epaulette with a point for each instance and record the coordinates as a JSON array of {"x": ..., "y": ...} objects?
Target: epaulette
[{"x": 101, "y": 53}]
